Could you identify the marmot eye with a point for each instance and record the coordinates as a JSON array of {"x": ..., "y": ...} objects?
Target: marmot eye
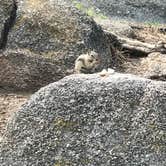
[{"x": 90, "y": 60}]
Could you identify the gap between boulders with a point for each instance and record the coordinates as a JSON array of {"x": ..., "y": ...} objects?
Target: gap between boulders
[{"x": 9, "y": 23}]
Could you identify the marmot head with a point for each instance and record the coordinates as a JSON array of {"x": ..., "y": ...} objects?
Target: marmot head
[{"x": 92, "y": 60}]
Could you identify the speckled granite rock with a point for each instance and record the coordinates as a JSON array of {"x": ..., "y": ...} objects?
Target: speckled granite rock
[
  {"x": 143, "y": 11},
  {"x": 23, "y": 70},
  {"x": 154, "y": 66},
  {"x": 89, "y": 120},
  {"x": 56, "y": 29},
  {"x": 5, "y": 9}
]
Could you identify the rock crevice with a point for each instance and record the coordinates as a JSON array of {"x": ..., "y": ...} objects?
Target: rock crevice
[{"x": 9, "y": 23}]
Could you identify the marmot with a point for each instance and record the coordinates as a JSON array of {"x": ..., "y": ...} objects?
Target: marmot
[{"x": 87, "y": 63}]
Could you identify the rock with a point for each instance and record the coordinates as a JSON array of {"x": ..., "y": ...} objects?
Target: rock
[
  {"x": 154, "y": 66},
  {"x": 57, "y": 29},
  {"x": 135, "y": 10},
  {"x": 119, "y": 27},
  {"x": 22, "y": 70},
  {"x": 90, "y": 120},
  {"x": 5, "y": 11}
]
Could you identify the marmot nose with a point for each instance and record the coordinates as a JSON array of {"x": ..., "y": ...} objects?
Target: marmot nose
[{"x": 98, "y": 60}]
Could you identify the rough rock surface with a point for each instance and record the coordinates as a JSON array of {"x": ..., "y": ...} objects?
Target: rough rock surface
[
  {"x": 5, "y": 9},
  {"x": 56, "y": 29},
  {"x": 154, "y": 66},
  {"x": 90, "y": 120},
  {"x": 119, "y": 27},
  {"x": 22, "y": 70},
  {"x": 143, "y": 11}
]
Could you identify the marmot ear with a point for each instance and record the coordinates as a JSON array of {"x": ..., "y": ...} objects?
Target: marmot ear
[{"x": 88, "y": 51}]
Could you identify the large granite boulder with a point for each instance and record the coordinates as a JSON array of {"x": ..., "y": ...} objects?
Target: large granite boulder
[
  {"x": 144, "y": 11},
  {"x": 56, "y": 29},
  {"x": 49, "y": 35},
  {"x": 89, "y": 120}
]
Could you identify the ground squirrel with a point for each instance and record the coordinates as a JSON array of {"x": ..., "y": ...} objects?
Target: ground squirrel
[{"x": 87, "y": 63}]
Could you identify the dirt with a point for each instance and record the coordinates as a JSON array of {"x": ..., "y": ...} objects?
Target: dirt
[{"x": 9, "y": 103}]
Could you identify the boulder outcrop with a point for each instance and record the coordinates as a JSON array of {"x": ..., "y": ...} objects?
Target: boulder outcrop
[
  {"x": 26, "y": 71},
  {"x": 56, "y": 29},
  {"x": 143, "y": 11},
  {"x": 90, "y": 120},
  {"x": 6, "y": 21}
]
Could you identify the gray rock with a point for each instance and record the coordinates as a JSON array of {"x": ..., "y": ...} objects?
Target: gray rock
[
  {"x": 142, "y": 11},
  {"x": 89, "y": 120},
  {"x": 154, "y": 66},
  {"x": 22, "y": 70},
  {"x": 58, "y": 29},
  {"x": 119, "y": 27},
  {"x": 5, "y": 11}
]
